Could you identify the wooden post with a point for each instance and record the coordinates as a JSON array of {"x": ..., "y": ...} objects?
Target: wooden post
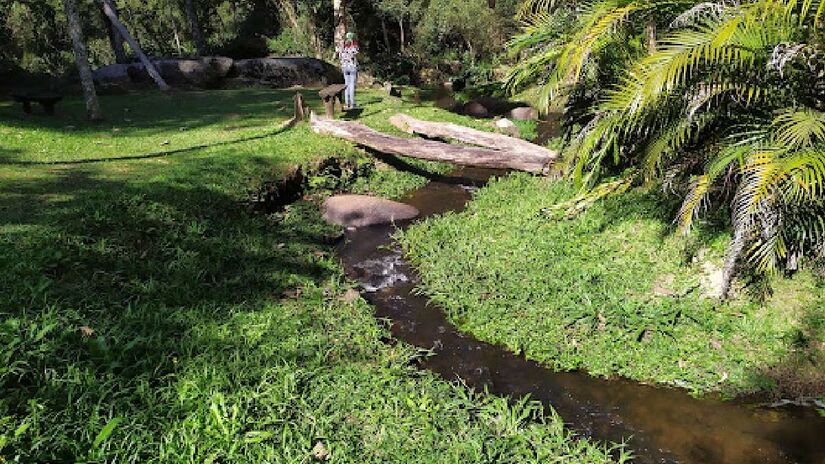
[
  {"x": 329, "y": 107},
  {"x": 109, "y": 10},
  {"x": 299, "y": 108}
]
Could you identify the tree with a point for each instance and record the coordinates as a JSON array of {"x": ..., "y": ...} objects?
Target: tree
[
  {"x": 401, "y": 12},
  {"x": 339, "y": 13},
  {"x": 460, "y": 24},
  {"x": 82, "y": 60},
  {"x": 109, "y": 11},
  {"x": 729, "y": 110},
  {"x": 115, "y": 39},
  {"x": 303, "y": 26},
  {"x": 197, "y": 36}
]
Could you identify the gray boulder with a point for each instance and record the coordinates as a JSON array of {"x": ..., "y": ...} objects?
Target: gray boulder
[
  {"x": 286, "y": 72},
  {"x": 524, "y": 113},
  {"x": 507, "y": 127},
  {"x": 114, "y": 75},
  {"x": 364, "y": 210},
  {"x": 476, "y": 110},
  {"x": 204, "y": 72}
]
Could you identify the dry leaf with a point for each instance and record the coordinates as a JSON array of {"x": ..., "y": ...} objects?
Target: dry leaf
[
  {"x": 293, "y": 294},
  {"x": 350, "y": 296},
  {"x": 320, "y": 452}
]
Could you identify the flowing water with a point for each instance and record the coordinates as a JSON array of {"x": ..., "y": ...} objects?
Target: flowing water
[{"x": 662, "y": 424}]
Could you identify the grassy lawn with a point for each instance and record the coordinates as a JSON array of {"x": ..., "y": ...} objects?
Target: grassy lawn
[
  {"x": 147, "y": 317},
  {"x": 614, "y": 292}
]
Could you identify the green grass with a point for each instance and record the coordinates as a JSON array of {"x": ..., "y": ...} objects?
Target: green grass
[
  {"x": 614, "y": 292},
  {"x": 146, "y": 316}
]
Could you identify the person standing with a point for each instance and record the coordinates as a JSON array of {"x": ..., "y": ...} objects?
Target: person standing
[{"x": 349, "y": 65}]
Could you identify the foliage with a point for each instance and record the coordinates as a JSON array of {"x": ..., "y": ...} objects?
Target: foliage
[
  {"x": 33, "y": 35},
  {"x": 726, "y": 108}
]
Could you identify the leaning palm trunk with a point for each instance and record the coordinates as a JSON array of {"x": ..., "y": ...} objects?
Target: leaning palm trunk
[
  {"x": 732, "y": 257},
  {"x": 82, "y": 59}
]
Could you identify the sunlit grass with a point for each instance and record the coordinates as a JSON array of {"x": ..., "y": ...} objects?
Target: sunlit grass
[
  {"x": 147, "y": 316},
  {"x": 614, "y": 292}
]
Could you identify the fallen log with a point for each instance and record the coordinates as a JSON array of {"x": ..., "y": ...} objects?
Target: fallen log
[
  {"x": 463, "y": 134},
  {"x": 512, "y": 158}
]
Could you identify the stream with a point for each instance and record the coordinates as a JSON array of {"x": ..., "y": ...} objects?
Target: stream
[{"x": 661, "y": 424}]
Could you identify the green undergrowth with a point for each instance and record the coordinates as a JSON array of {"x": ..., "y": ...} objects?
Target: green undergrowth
[
  {"x": 615, "y": 292},
  {"x": 148, "y": 316}
]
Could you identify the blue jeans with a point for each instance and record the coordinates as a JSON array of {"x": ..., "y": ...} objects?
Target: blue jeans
[{"x": 350, "y": 76}]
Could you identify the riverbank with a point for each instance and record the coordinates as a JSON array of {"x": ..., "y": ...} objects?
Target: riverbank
[
  {"x": 149, "y": 316},
  {"x": 615, "y": 293}
]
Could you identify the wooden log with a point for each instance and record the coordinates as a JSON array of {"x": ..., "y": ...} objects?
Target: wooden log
[
  {"x": 430, "y": 149},
  {"x": 470, "y": 136}
]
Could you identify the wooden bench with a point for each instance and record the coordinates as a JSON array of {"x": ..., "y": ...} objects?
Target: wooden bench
[
  {"x": 331, "y": 94},
  {"x": 46, "y": 100}
]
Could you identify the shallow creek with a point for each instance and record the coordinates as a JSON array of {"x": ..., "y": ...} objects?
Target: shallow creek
[{"x": 661, "y": 424}]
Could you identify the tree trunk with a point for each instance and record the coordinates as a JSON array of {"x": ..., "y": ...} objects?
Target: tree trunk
[
  {"x": 386, "y": 34},
  {"x": 339, "y": 15},
  {"x": 197, "y": 36},
  {"x": 81, "y": 57},
  {"x": 176, "y": 36},
  {"x": 734, "y": 253},
  {"x": 109, "y": 10},
  {"x": 466, "y": 135},
  {"x": 650, "y": 35},
  {"x": 115, "y": 39},
  {"x": 288, "y": 9},
  {"x": 312, "y": 30},
  {"x": 403, "y": 39},
  {"x": 511, "y": 158}
]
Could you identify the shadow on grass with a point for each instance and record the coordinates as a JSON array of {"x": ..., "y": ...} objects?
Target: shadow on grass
[
  {"x": 109, "y": 286},
  {"x": 6, "y": 160},
  {"x": 403, "y": 165}
]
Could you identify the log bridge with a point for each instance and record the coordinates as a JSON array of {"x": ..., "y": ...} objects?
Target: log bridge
[{"x": 478, "y": 148}]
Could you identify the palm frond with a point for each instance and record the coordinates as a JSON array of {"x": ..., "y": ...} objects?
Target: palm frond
[{"x": 799, "y": 128}]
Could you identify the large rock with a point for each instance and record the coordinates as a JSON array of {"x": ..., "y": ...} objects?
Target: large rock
[
  {"x": 507, "y": 127},
  {"x": 286, "y": 72},
  {"x": 114, "y": 75},
  {"x": 205, "y": 72},
  {"x": 364, "y": 210},
  {"x": 211, "y": 71},
  {"x": 524, "y": 113},
  {"x": 476, "y": 110}
]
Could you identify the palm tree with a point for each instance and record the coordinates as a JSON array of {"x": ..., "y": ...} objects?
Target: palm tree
[{"x": 730, "y": 103}]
